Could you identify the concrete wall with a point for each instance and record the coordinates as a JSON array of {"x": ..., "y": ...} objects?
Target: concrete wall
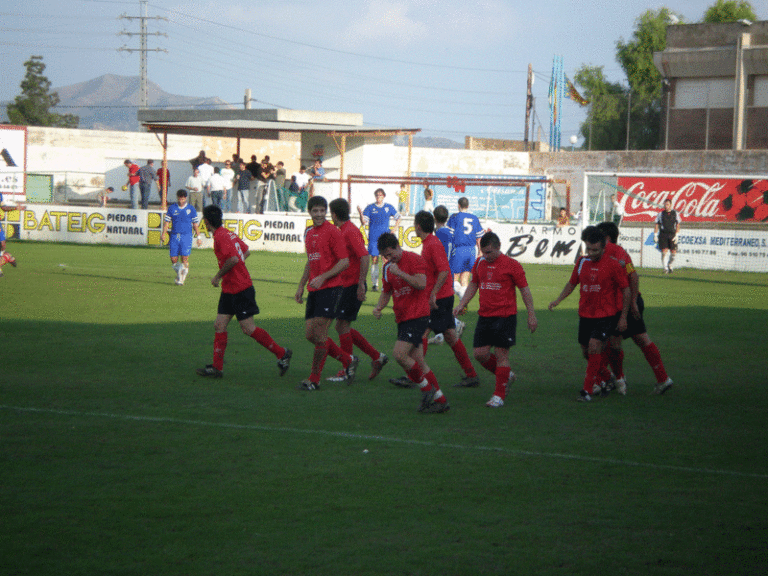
[{"x": 455, "y": 161}]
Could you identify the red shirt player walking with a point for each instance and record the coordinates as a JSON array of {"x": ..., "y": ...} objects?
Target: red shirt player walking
[
  {"x": 603, "y": 304},
  {"x": 405, "y": 280},
  {"x": 238, "y": 297},
  {"x": 326, "y": 259},
  {"x": 496, "y": 276}
]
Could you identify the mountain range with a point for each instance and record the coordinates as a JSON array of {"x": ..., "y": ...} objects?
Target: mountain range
[{"x": 109, "y": 102}]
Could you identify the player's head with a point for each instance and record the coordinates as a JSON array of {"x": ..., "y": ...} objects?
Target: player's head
[
  {"x": 594, "y": 239},
  {"x": 441, "y": 214},
  {"x": 610, "y": 230},
  {"x": 389, "y": 247},
  {"x": 196, "y": 172},
  {"x": 213, "y": 216},
  {"x": 317, "y": 206},
  {"x": 110, "y": 189},
  {"x": 667, "y": 205},
  {"x": 463, "y": 203},
  {"x": 490, "y": 246},
  {"x": 127, "y": 162},
  {"x": 339, "y": 208},
  {"x": 425, "y": 221},
  {"x": 563, "y": 211},
  {"x": 181, "y": 197},
  {"x": 379, "y": 194},
  {"x": 150, "y": 162}
]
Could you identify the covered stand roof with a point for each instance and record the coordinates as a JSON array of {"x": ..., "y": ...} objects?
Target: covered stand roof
[{"x": 260, "y": 123}]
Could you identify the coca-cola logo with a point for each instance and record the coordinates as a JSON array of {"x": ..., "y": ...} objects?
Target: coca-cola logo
[{"x": 700, "y": 199}]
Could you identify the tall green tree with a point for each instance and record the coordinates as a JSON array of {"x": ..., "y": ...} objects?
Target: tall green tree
[
  {"x": 33, "y": 106},
  {"x": 729, "y": 11},
  {"x": 642, "y": 95}
]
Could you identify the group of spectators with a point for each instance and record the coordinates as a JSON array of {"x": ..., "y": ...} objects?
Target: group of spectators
[{"x": 238, "y": 186}]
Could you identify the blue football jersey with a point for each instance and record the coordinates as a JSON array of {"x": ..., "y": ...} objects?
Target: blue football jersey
[
  {"x": 466, "y": 229},
  {"x": 181, "y": 219},
  {"x": 377, "y": 218}
]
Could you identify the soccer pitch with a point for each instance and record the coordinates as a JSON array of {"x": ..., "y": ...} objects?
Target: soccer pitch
[{"x": 118, "y": 459}]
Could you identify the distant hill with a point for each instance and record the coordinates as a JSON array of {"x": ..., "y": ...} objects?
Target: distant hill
[
  {"x": 429, "y": 142},
  {"x": 110, "y": 102}
]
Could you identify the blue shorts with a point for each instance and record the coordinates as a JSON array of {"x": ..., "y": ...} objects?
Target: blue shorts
[
  {"x": 373, "y": 240},
  {"x": 463, "y": 259},
  {"x": 2, "y": 232},
  {"x": 180, "y": 244}
]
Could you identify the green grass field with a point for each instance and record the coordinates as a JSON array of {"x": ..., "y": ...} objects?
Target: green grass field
[{"x": 118, "y": 459}]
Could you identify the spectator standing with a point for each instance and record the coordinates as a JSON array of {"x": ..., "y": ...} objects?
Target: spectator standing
[
  {"x": 103, "y": 195},
  {"x": 206, "y": 171},
  {"x": 316, "y": 174},
  {"x": 244, "y": 179},
  {"x": 618, "y": 211},
  {"x": 218, "y": 187},
  {"x": 197, "y": 160},
  {"x": 229, "y": 175},
  {"x": 147, "y": 175},
  {"x": 194, "y": 187},
  {"x": 280, "y": 175},
  {"x": 132, "y": 182}
]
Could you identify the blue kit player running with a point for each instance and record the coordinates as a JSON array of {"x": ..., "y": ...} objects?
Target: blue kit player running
[
  {"x": 184, "y": 220},
  {"x": 377, "y": 216},
  {"x": 467, "y": 232}
]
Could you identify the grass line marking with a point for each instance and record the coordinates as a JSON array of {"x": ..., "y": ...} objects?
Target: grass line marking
[{"x": 405, "y": 441}]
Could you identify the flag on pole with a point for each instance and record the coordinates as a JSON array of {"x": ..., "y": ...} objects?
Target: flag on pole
[{"x": 573, "y": 94}]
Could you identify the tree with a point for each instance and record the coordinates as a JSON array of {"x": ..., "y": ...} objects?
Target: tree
[
  {"x": 643, "y": 95},
  {"x": 729, "y": 11},
  {"x": 32, "y": 107}
]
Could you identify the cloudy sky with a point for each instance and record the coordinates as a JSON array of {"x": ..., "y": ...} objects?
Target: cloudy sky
[{"x": 450, "y": 67}]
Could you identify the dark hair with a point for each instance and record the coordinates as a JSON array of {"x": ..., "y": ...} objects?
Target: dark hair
[
  {"x": 593, "y": 235},
  {"x": 317, "y": 201},
  {"x": 111, "y": 189},
  {"x": 490, "y": 239},
  {"x": 441, "y": 214},
  {"x": 562, "y": 208},
  {"x": 379, "y": 190},
  {"x": 150, "y": 161},
  {"x": 387, "y": 240},
  {"x": 463, "y": 202},
  {"x": 217, "y": 170},
  {"x": 180, "y": 193},
  {"x": 425, "y": 221},
  {"x": 340, "y": 208},
  {"x": 609, "y": 229},
  {"x": 213, "y": 215}
]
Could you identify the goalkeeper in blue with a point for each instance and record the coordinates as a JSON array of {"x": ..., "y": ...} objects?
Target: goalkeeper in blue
[{"x": 184, "y": 221}]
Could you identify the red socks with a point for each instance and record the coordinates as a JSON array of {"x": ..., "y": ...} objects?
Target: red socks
[
  {"x": 219, "y": 347},
  {"x": 653, "y": 356},
  {"x": 460, "y": 351},
  {"x": 360, "y": 341},
  {"x": 502, "y": 377},
  {"x": 262, "y": 337}
]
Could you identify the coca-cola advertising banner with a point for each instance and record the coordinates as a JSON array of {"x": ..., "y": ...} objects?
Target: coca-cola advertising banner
[{"x": 705, "y": 199}]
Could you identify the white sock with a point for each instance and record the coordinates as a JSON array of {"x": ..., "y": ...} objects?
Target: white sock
[
  {"x": 671, "y": 259},
  {"x": 664, "y": 259},
  {"x": 184, "y": 271},
  {"x": 177, "y": 267},
  {"x": 375, "y": 274}
]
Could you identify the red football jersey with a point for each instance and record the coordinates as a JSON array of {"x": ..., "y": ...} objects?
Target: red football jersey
[
  {"x": 356, "y": 249},
  {"x": 437, "y": 261},
  {"x": 602, "y": 283},
  {"x": 325, "y": 247},
  {"x": 225, "y": 245},
  {"x": 496, "y": 283},
  {"x": 407, "y": 302}
]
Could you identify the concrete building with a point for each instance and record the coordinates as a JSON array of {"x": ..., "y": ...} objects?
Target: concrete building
[{"x": 716, "y": 79}]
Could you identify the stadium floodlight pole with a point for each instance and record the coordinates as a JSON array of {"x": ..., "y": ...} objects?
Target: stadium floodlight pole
[{"x": 143, "y": 49}]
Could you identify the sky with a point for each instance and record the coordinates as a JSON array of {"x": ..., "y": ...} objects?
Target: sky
[{"x": 451, "y": 68}]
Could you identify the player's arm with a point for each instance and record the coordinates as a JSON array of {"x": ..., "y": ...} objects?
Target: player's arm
[
  {"x": 364, "y": 264},
  {"x": 362, "y": 216},
  {"x": 381, "y": 304},
  {"x": 634, "y": 289},
  {"x": 229, "y": 263},
  {"x": 468, "y": 295},
  {"x": 417, "y": 281},
  {"x": 626, "y": 295},
  {"x": 567, "y": 289},
  {"x": 439, "y": 281},
  {"x": 196, "y": 229},
  {"x": 299, "y": 297},
  {"x": 337, "y": 268},
  {"x": 525, "y": 294}
]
